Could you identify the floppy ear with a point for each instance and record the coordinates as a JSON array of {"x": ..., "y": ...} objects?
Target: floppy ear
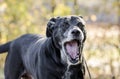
[
  {"x": 81, "y": 16},
  {"x": 50, "y": 27}
]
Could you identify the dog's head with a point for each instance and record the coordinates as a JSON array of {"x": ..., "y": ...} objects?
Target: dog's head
[{"x": 68, "y": 34}]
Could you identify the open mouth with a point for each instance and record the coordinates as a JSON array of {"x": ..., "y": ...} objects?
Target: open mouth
[{"x": 72, "y": 50}]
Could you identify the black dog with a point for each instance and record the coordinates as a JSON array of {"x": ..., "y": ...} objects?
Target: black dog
[{"x": 58, "y": 56}]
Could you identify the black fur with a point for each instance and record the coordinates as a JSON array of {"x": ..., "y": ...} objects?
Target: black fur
[
  {"x": 37, "y": 57},
  {"x": 5, "y": 47}
]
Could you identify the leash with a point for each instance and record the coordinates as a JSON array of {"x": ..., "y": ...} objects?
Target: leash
[
  {"x": 85, "y": 63},
  {"x": 87, "y": 69}
]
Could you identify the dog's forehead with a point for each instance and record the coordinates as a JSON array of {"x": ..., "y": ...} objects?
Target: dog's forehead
[
  {"x": 72, "y": 20},
  {"x": 76, "y": 20}
]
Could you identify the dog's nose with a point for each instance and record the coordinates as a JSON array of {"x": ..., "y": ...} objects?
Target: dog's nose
[{"x": 75, "y": 32}]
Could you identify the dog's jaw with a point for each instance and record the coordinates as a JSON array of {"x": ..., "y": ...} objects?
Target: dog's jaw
[
  {"x": 72, "y": 50},
  {"x": 66, "y": 58}
]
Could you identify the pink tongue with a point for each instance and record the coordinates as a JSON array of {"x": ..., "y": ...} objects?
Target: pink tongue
[{"x": 72, "y": 49}]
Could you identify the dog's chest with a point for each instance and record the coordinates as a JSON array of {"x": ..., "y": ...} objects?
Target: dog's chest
[
  {"x": 66, "y": 75},
  {"x": 74, "y": 72}
]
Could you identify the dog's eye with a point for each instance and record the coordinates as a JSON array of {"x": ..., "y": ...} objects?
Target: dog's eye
[
  {"x": 66, "y": 23},
  {"x": 80, "y": 24}
]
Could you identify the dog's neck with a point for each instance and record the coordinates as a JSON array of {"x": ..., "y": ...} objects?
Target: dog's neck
[{"x": 54, "y": 54}]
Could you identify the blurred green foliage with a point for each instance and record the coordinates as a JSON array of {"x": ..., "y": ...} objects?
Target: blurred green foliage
[
  {"x": 102, "y": 46},
  {"x": 65, "y": 10}
]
